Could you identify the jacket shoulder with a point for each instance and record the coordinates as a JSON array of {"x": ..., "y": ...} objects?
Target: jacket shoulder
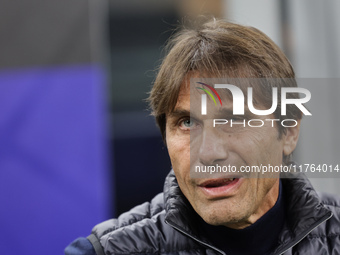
[
  {"x": 142, "y": 230},
  {"x": 324, "y": 238},
  {"x": 329, "y": 200},
  {"x": 144, "y": 211},
  {"x": 331, "y": 228}
]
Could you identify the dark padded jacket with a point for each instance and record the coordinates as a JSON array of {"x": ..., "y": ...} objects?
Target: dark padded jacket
[{"x": 168, "y": 225}]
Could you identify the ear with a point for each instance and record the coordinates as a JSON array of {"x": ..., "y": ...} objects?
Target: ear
[{"x": 291, "y": 138}]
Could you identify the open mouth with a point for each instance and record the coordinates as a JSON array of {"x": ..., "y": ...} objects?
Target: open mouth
[
  {"x": 215, "y": 183},
  {"x": 222, "y": 187}
]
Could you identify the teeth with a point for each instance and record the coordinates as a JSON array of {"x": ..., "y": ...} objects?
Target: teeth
[{"x": 222, "y": 183}]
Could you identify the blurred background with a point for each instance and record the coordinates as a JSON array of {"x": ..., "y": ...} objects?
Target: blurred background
[{"x": 77, "y": 143}]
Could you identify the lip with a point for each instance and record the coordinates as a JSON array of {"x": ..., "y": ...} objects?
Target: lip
[{"x": 221, "y": 187}]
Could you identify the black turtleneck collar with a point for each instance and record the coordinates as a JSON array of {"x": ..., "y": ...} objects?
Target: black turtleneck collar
[{"x": 259, "y": 238}]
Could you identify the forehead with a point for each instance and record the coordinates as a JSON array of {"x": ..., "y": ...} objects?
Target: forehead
[
  {"x": 184, "y": 93},
  {"x": 189, "y": 100},
  {"x": 194, "y": 86}
]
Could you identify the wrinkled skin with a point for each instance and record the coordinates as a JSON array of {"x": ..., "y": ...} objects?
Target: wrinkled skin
[{"x": 194, "y": 141}]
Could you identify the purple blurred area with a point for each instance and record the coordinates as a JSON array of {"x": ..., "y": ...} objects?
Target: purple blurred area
[{"x": 54, "y": 178}]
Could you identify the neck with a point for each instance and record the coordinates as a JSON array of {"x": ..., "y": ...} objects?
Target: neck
[
  {"x": 266, "y": 204},
  {"x": 259, "y": 238}
]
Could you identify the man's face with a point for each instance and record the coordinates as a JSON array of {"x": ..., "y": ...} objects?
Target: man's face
[{"x": 191, "y": 142}]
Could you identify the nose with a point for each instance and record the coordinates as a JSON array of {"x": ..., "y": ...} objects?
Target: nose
[{"x": 213, "y": 149}]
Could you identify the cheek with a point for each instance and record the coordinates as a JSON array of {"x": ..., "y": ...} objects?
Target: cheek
[
  {"x": 179, "y": 151},
  {"x": 260, "y": 145},
  {"x": 247, "y": 146}
]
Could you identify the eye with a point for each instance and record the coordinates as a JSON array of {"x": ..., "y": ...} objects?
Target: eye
[{"x": 187, "y": 124}]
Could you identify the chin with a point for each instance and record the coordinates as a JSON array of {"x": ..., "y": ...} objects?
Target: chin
[{"x": 218, "y": 218}]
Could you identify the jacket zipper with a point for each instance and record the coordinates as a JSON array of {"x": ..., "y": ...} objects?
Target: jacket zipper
[
  {"x": 197, "y": 240},
  {"x": 304, "y": 235}
]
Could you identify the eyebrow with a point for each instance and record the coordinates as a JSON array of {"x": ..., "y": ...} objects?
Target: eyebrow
[{"x": 179, "y": 112}]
